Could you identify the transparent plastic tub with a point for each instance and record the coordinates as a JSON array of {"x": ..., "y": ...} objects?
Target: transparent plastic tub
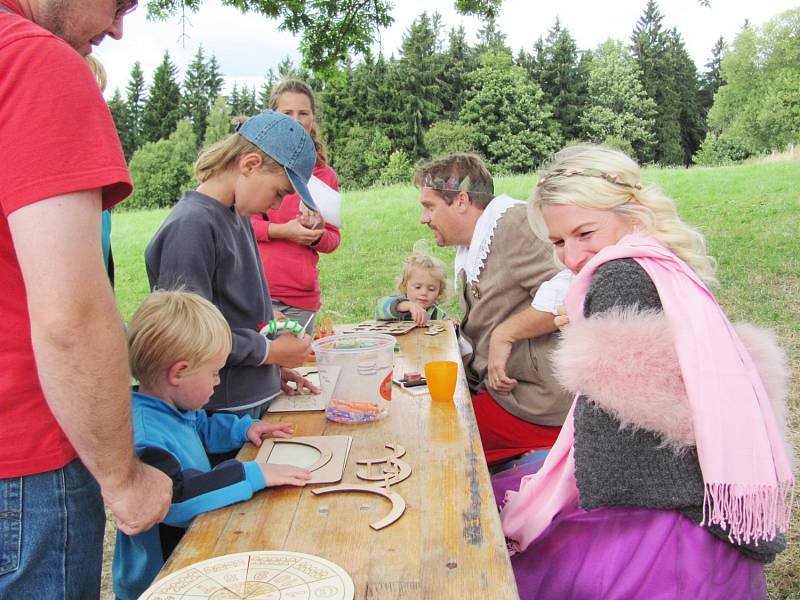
[{"x": 359, "y": 368}]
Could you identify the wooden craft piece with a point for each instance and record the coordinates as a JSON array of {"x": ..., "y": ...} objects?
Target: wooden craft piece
[
  {"x": 325, "y": 456},
  {"x": 397, "y": 451},
  {"x": 263, "y": 575},
  {"x": 396, "y": 471},
  {"x": 434, "y": 329},
  {"x": 308, "y": 402},
  {"x": 390, "y": 327},
  {"x": 398, "y": 504}
]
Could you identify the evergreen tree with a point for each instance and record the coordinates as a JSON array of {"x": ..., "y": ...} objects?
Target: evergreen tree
[
  {"x": 490, "y": 39},
  {"x": 122, "y": 120},
  {"x": 134, "y": 102},
  {"x": 248, "y": 103},
  {"x": 561, "y": 78},
  {"x": 202, "y": 84},
  {"x": 650, "y": 46},
  {"x": 234, "y": 100},
  {"x": 618, "y": 111},
  {"x": 686, "y": 83},
  {"x": 219, "y": 123},
  {"x": 712, "y": 77},
  {"x": 459, "y": 61},
  {"x": 515, "y": 128},
  {"x": 162, "y": 107},
  {"x": 420, "y": 71}
]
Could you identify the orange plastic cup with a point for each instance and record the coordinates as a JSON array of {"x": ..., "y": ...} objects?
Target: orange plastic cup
[{"x": 442, "y": 376}]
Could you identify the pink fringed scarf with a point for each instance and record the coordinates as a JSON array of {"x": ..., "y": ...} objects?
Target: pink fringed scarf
[{"x": 749, "y": 485}]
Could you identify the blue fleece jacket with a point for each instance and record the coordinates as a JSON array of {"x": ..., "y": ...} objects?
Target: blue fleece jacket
[{"x": 176, "y": 443}]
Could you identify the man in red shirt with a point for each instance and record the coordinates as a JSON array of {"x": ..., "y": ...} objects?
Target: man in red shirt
[{"x": 65, "y": 416}]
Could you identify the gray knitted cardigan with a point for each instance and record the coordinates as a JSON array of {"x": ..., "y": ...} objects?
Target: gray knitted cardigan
[{"x": 623, "y": 466}]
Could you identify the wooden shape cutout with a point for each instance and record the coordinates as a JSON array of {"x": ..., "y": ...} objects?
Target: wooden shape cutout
[
  {"x": 398, "y": 504},
  {"x": 308, "y": 402},
  {"x": 323, "y": 471},
  {"x": 390, "y": 327},
  {"x": 296, "y": 455},
  {"x": 396, "y": 471},
  {"x": 263, "y": 575},
  {"x": 397, "y": 450},
  {"x": 434, "y": 329}
]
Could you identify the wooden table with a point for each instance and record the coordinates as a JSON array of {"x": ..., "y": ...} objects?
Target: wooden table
[{"x": 448, "y": 544}]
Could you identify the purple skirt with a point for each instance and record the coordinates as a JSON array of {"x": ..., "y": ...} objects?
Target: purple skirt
[{"x": 625, "y": 553}]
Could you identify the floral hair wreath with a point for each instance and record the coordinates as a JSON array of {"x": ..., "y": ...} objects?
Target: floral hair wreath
[
  {"x": 610, "y": 177},
  {"x": 454, "y": 184}
]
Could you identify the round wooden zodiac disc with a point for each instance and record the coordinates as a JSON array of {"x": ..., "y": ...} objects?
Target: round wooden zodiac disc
[{"x": 269, "y": 575}]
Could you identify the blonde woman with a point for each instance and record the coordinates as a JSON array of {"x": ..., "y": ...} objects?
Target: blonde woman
[
  {"x": 290, "y": 240},
  {"x": 670, "y": 477}
]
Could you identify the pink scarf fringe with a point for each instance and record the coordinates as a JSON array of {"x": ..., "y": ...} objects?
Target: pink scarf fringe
[{"x": 748, "y": 491}]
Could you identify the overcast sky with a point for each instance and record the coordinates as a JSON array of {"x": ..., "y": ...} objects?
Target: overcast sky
[{"x": 246, "y": 46}]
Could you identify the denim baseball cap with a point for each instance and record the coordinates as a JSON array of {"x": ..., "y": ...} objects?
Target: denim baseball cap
[{"x": 287, "y": 143}]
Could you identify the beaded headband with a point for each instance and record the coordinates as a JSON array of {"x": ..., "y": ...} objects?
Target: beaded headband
[
  {"x": 453, "y": 184},
  {"x": 610, "y": 177}
]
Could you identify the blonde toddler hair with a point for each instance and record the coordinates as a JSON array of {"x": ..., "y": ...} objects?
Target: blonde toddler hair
[
  {"x": 420, "y": 258},
  {"x": 170, "y": 326},
  {"x": 599, "y": 177}
]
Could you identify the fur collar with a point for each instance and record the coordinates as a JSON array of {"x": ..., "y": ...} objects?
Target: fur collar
[{"x": 625, "y": 362}]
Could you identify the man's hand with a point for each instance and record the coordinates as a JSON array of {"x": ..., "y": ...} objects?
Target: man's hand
[
  {"x": 290, "y": 375},
  {"x": 141, "y": 501},
  {"x": 499, "y": 352},
  {"x": 259, "y": 430}
]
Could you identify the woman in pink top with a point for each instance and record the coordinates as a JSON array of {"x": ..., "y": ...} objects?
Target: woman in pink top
[{"x": 290, "y": 239}]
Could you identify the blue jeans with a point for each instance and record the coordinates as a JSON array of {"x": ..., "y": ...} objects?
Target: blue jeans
[{"x": 51, "y": 535}]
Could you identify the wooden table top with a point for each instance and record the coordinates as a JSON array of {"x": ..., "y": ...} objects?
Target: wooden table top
[{"x": 447, "y": 544}]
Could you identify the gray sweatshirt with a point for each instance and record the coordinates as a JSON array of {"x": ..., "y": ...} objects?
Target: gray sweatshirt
[{"x": 211, "y": 250}]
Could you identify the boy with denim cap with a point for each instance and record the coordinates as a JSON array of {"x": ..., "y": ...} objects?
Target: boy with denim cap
[
  {"x": 178, "y": 342},
  {"x": 207, "y": 245}
]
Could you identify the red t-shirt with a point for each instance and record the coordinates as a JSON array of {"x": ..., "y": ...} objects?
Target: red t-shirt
[
  {"x": 56, "y": 136},
  {"x": 290, "y": 268}
]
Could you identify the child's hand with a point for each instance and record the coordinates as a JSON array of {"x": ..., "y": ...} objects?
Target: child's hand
[
  {"x": 259, "y": 430},
  {"x": 289, "y": 350},
  {"x": 300, "y": 382},
  {"x": 418, "y": 314},
  {"x": 284, "y": 475}
]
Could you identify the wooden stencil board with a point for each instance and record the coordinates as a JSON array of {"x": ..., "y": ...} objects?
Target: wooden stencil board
[
  {"x": 308, "y": 402},
  {"x": 268, "y": 575},
  {"x": 325, "y": 455},
  {"x": 390, "y": 327}
]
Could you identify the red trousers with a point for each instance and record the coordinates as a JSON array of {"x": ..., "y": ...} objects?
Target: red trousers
[{"x": 505, "y": 436}]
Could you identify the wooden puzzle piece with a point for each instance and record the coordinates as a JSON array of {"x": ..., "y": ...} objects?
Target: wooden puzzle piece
[{"x": 398, "y": 504}]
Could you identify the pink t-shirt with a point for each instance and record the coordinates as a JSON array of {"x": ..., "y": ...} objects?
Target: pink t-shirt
[{"x": 56, "y": 136}]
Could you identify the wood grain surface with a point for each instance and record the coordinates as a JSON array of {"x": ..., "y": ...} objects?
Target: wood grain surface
[{"x": 448, "y": 544}]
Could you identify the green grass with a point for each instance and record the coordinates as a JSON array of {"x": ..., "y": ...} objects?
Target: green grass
[{"x": 750, "y": 215}]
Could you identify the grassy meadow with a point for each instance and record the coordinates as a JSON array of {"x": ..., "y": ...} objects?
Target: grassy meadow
[{"x": 750, "y": 214}]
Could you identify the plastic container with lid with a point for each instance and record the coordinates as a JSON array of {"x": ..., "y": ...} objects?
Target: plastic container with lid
[{"x": 359, "y": 367}]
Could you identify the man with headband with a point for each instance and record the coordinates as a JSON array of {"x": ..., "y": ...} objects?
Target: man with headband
[{"x": 505, "y": 342}]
